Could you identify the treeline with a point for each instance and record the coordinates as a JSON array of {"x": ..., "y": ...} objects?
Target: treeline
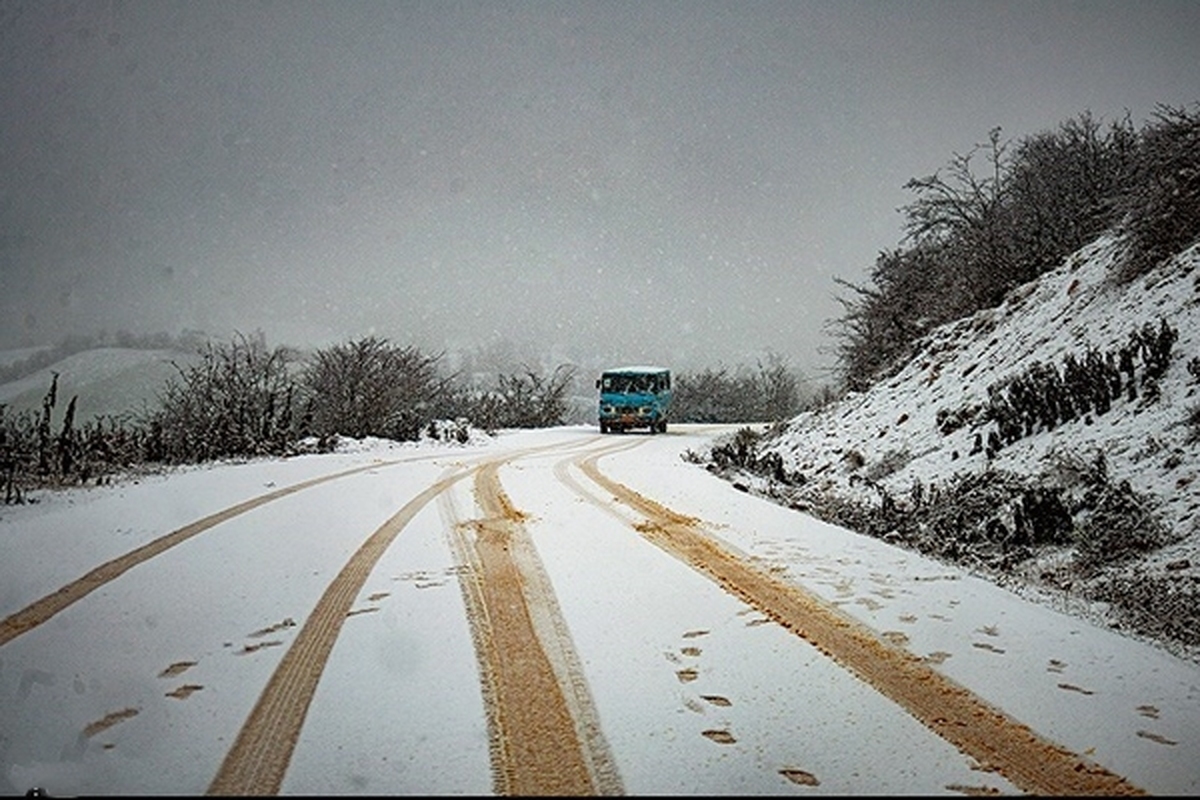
[
  {"x": 972, "y": 236},
  {"x": 769, "y": 393},
  {"x": 244, "y": 399}
]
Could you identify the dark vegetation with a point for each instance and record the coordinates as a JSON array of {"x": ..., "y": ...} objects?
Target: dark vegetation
[
  {"x": 973, "y": 236},
  {"x": 1000, "y": 523},
  {"x": 244, "y": 399},
  {"x": 769, "y": 393},
  {"x": 990, "y": 520},
  {"x": 1043, "y": 396}
]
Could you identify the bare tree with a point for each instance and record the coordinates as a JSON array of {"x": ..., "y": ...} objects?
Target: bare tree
[
  {"x": 1063, "y": 188},
  {"x": 371, "y": 387},
  {"x": 231, "y": 402},
  {"x": 971, "y": 237},
  {"x": 964, "y": 213},
  {"x": 1162, "y": 207},
  {"x": 528, "y": 399},
  {"x": 778, "y": 389}
]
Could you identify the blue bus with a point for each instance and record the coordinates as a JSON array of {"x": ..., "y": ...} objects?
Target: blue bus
[{"x": 634, "y": 397}]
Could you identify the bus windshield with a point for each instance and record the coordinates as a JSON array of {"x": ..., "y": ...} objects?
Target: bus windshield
[{"x": 634, "y": 397}]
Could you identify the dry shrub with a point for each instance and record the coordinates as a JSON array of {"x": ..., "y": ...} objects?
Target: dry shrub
[{"x": 1164, "y": 606}]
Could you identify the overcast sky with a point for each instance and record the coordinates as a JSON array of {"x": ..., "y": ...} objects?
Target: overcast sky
[{"x": 675, "y": 182}]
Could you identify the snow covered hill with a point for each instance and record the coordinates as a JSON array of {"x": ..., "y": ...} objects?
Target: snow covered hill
[
  {"x": 934, "y": 422},
  {"x": 110, "y": 381}
]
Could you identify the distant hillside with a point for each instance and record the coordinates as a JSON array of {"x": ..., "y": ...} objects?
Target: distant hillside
[
  {"x": 10, "y": 357},
  {"x": 108, "y": 381}
]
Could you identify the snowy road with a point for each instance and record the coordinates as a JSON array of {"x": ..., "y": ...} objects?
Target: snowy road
[{"x": 552, "y": 612}]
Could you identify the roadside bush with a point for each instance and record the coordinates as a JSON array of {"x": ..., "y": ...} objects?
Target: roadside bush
[
  {"x": 518, "y": 400},
  {"x": 768, "y": 393},
  {"x": 1115, "y": 524},
  {"x": 740, "y": 451},
  {"x": 33, "y": 456},
  {"x": 999, "y": 521},
  {"x": 370, "y": 387},
  {"x": 245, "y": 399},
  {"x": 993, "y": 519},
  {"x": 1160, "y": 605},
  {"x": 236, "y": 400},
  {"x": 18, "y": 454}
]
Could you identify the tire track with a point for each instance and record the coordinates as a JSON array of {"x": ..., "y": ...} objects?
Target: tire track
[
  {"x": 544, "y": 731},
  {"x": 258, "y": 760},
  {"x": 42, "y": 610},
  {"x": 259, "y": 757},
  {"x": 975, "y": 727}
]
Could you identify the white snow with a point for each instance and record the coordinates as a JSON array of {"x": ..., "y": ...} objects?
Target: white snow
[
  {"x": 399, "y": 710},
  {"x": 1066, "y": 311}
]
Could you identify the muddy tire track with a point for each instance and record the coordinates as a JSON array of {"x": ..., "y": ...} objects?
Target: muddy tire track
[
  {"x": 544, "y": 731},
  {"x": 975, "y": 727},
  {"x": 258, "y": 760},
  {"x": 259, "y": 757},
  {"x": 42, "y": 610}
]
